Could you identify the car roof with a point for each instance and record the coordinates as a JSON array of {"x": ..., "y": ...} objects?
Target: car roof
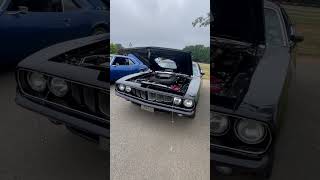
[
  {"x": 117, "y": 55},
  {"x": 158, "y": 49}
]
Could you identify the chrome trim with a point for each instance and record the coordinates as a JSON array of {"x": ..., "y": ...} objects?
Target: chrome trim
[
  {"x": 155, "y": 102},
  {"x": 56, "y": 104}
]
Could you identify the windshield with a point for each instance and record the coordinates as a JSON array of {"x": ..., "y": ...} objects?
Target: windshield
[
  {"x": 274, "y": 35},
  {"x": 195, "y": 69}
]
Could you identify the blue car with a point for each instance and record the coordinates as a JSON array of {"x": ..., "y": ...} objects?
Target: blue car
[
  {"x": 121, "y": 66},
  {"x": 27, "y": 26}
]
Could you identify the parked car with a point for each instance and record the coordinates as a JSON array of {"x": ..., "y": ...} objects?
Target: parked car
[
  {"x": 253, "y": 63},
  {"x": 69, "y": 83},
  {"x": 121, "y": 66},
  {"x": 169, "y": 85},
  {"x": 27, "y": 26}
]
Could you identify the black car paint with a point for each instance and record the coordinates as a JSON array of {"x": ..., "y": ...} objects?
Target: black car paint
[
  {"x": 193, "y": 91},
  {"x": 240, "y": 21},
  {"x": 264, "y": 101},
  {"x": 73, "y": 119}
]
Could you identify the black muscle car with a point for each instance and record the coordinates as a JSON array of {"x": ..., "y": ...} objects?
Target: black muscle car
[
  {"x": 169, "y": 85},
  {"x": 69, "y": 83},
  {"x": 252, "y": 63}
]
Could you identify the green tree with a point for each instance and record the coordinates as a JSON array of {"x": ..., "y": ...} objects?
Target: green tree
[
  {"x": 113, "y": 48},
  {"x": 202, "y": 21},
  {"x": 200, "y": 53}
]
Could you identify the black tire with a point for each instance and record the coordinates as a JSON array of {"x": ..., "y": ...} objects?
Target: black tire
[{"x": 99, "y": 30}]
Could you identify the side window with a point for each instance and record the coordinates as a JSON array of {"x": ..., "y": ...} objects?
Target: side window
[
  {"x": 196, "y": 70},
  {"x": 121, "y": 61},
  {"x": 70, "y": 5},
  {"x": 274, "y": 31},
  {"x": 130, "y": 62},
  {"x": 36, "y": 6}
]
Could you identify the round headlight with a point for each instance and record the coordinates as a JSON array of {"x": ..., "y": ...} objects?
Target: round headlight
[
  {"x": 219, "y": 124},
  {"x": 37, "y": 81},
  {"x": 177, "y": 101},
  {"x": 128, "y": 89},
  {"x": 58, "y": 87},
  {"x": 121, "y": 87},
  {"x": 250, "y": 132},
  {"x": 188, "y": 103}
]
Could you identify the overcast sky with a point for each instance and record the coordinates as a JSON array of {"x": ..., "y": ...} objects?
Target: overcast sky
[{"x": 164, "y": 23}]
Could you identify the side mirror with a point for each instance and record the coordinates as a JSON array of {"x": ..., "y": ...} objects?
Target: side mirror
[
  {"x": 202, "y": 72},
  {"x": 297, "y": 38}
]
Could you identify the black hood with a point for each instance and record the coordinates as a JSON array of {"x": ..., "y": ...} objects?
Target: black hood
[
  {"x": 149, "y": 54},
  {"x": 241, "y": 20}
]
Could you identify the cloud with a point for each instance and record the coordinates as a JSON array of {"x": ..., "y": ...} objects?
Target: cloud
[{"x": 166, "y": 23}]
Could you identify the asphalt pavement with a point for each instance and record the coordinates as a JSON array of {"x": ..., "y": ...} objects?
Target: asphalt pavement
[
  {"x": 159, "y": 146},
  {"x": 297, "y": 153},
  {"x": 32, "y": 148}
]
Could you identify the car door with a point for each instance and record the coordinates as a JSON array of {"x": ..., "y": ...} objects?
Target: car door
[
  {"x": 30, "y": 25},
  {"x": 123, "y": 66},
  {"x": 77, "y": 19}
]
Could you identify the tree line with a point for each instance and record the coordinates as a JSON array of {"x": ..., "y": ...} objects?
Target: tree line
[{"x": 200, "y": 53}]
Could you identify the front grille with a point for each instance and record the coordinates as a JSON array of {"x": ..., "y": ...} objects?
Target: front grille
[
  {"x": 86, "y": 102},
  {"x": 152, "y": 96},
  {"x": 94, "y": 100}
]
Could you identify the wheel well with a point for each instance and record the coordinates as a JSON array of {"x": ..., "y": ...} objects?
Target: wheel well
[{"x": 104, "y": 26}]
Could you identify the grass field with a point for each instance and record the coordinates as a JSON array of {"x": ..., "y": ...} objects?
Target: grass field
[
  {"x": 206, "y": 70},
  {"x": 307, "y": 20}
]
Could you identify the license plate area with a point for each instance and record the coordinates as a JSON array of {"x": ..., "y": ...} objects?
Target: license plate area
[{"x": 147, "y": 108}]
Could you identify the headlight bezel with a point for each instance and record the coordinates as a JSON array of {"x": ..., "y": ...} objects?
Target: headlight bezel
[
  {"x": 128, "y": 89},
  {"x": 120, "y": 87},
  {"x": 175, "y": 99},
  {"x": 31, "y": 86},
  {"x": 185, "y": 100},
  {"x": 236, "y": 132},
  {"x": 226, "y": 130},
  {"x": 51, "y": 88},
  {"x": 233, "y": 122}
]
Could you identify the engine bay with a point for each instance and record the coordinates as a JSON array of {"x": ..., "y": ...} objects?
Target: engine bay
[
  {"x": 94, "y": 56},
  {"x": 164, "y": 81},
  {"x": 231, "y": 72}
]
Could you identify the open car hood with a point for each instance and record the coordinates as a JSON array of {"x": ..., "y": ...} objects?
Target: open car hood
[
  {"x": 148, "y": 56},
  {"x": 239, "y": 20}
]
